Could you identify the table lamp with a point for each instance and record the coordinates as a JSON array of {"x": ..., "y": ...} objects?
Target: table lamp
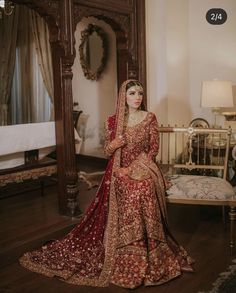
[{"x": 216, "y": 94}]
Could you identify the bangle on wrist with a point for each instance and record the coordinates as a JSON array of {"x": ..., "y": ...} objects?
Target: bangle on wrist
[{"x": 110, "y": 149}]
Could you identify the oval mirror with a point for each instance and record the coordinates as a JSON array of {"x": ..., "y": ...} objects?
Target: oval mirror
[{"x": 93, "y": 51}]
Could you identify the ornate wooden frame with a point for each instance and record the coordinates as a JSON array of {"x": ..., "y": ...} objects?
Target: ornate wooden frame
[
  {"x": 88, "y": 73},
  {"x": 127, "y": 19}
]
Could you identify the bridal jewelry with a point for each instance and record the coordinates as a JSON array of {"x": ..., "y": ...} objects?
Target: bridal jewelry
[
  {"x": 110, "y": 149},
  {"x": 135, "y": 118}
]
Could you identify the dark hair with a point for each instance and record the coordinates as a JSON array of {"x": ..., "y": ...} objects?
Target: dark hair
[
  {"x": 133, "y": 83},
  {"x": 136, "y": 83}
]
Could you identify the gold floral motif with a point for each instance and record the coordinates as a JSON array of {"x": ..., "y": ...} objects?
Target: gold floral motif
[
  {"x": 138, "y": 172},
  {"x": 20, "y": 176}
]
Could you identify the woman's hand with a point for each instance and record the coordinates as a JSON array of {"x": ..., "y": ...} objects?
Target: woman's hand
[{"x": 116, "y": 143}]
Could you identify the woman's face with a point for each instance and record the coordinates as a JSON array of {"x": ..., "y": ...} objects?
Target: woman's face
[{"x": 134, "y": 97}]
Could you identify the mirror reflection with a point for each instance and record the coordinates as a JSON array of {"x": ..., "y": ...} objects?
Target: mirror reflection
[{"x": 93, "y": 51}]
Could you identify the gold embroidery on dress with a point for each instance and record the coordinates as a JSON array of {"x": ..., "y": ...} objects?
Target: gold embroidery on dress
[
  {"x": 135, "y": 234},
  {"x": 138, "y": 172}
]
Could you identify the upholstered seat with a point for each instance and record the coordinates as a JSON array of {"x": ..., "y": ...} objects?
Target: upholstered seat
[
  {"x": 200, "y": 188},
  {"x": 203, "y": 151}
]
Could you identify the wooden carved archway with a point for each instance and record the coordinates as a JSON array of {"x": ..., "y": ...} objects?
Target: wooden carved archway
[{"x": 127, "y": 19}]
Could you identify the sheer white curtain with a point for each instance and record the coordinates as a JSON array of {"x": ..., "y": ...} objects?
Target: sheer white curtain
[{"x": 30, "y": 101}]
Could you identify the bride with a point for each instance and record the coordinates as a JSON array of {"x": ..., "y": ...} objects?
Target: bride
[{"x": 123, "y": 238}]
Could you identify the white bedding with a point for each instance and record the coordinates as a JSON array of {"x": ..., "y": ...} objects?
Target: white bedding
[{"x": 16, "y": 139}]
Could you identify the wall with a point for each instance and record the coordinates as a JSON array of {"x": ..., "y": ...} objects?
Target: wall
[
  {"x": 183, "y": 49},
  {"x": 212, "y": 50},
  {"x": 96, "y": 99}
]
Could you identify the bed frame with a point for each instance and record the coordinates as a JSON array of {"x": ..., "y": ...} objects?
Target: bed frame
[{"x": 127, "y": 19}]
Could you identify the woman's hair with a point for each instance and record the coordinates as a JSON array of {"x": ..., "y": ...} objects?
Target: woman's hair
[{"x": 136, "y": 83}]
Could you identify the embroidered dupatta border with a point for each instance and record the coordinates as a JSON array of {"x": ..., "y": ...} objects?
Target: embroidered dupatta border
[{"x": 112, "y": 222}]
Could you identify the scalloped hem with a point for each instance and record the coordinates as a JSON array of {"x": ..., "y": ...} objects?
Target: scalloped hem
[{"x": 64, "y": 276}]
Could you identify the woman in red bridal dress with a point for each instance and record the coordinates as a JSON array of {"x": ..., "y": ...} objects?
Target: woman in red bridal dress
[{"x": 123, "y": 238}]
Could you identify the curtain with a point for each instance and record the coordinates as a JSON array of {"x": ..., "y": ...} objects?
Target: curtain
[
  {"x": 8, "y": 36},
  {"x": 43, "y": 49},
  {"x": 30, "y": 101}
]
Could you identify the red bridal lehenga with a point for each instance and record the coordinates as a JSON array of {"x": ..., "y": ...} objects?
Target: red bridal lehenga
[{"x": 123, "y": 237}]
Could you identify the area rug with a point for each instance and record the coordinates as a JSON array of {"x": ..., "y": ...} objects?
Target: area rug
[{"x": 226, "y": 281}]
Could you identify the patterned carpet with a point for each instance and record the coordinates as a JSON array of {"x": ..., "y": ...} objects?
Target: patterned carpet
[{"x": 226, "y": 281}]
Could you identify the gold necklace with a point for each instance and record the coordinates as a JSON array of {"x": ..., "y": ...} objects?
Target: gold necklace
[{"x": 134, "y": 118}]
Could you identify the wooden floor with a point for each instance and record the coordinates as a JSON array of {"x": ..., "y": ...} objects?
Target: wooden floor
[{"x": 28, "y": 220}]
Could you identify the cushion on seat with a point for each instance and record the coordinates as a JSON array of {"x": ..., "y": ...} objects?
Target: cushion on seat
[{"x": 200, "y": 187}]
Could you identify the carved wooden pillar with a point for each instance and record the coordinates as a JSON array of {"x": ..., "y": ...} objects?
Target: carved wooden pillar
[
  {"x": 137, "y": 43},
  {"x": 126, "y": 18},
  {"x": 141, "y": 40},
  {"x": 62, "y": 42},
  {"x": 60, "y": 19},
  {"x": 71, "y": 177},
  {"x": 63, "y": 61}
]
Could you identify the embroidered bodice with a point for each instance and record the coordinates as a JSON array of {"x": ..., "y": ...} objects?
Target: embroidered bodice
[{"x": 143, "y": 137}]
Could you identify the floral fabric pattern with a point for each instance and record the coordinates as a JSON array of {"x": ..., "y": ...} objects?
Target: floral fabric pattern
[
  {"x": 200, "y": 187},
  {"x": 146, "y": 251},
  {"x": 123, "y": 237}
]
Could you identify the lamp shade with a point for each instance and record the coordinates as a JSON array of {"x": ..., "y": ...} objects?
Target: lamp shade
[{"x": 217, "y": 94}]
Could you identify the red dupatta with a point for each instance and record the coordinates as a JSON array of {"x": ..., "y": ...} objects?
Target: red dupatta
[
  {"x": 103, "y": 209},
  {"x": 85, "y": 256}
]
